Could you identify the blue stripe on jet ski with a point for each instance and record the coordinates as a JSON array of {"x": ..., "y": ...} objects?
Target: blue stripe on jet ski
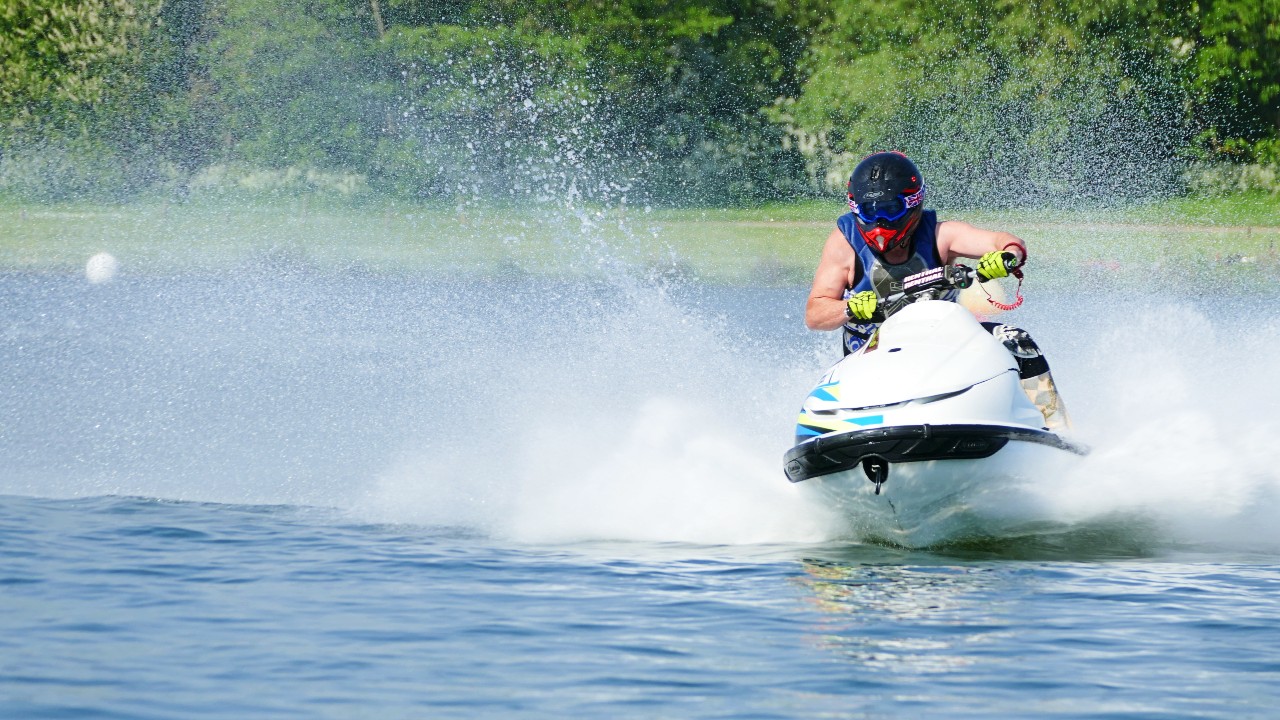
[
  {"x": 868, "y": 420},
  {"x": 808, "y": 431},
  {"x": 821, "y": 392}
]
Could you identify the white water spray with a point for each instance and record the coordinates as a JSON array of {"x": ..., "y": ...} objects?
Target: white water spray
[
  {"x": 638, "y": 426},
  {"x": 614, "y": 411},
  {"x": 1176, "y": 406}
]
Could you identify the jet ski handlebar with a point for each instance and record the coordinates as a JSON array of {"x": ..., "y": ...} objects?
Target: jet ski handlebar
[{"x": 927, "y": 285}]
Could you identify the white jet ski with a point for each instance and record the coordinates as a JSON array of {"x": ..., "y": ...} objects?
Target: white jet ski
[{"x": 925, "y": 435}]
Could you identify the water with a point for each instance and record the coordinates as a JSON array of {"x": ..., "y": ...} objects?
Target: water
[{"x": 287, "y": 492}]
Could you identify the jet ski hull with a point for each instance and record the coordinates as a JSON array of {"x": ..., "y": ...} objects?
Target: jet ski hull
[
  {"x": 944, "y": 483},
  {"x": 942, "y": 501}
]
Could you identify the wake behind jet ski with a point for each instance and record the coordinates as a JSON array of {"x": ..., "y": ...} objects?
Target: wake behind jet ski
[{"x": 930, "y": 415}]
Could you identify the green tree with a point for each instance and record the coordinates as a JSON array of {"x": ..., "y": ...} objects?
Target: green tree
[
  {"x": 77, "y": 106},
  {"x": 1236, "y": 49},
  {"x": 487, "y": 109},
  {"x": 295, "y": 83},
  {"x": 1001, "y": 101},
  {"x": 65, "y": 54},
  {"x": 651, "y": 98},
  {"x": 664, "y": 96}
]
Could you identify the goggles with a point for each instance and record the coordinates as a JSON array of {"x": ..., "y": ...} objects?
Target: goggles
[{"x": 891, "y": 210}]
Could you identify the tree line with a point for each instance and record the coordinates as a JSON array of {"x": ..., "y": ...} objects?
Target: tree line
[{"x": 660, "y": 101}]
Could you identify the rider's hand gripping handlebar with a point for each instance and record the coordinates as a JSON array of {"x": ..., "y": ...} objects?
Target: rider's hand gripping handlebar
[{"x": 931, "y": 284}]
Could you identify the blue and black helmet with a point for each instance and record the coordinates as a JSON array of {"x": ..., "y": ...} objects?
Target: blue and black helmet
[{"x": 886, "y": 194}]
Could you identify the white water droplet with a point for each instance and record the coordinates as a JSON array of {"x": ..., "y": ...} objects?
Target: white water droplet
[{"x": 101, "y": 268}]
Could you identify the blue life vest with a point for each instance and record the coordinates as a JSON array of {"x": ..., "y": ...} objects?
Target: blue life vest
[{"x": 883, "y": 277}]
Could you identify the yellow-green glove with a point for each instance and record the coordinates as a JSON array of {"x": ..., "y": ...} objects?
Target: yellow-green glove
[
  {"x": 863, "y": 305},
  {"x": 996, "y": 264}
]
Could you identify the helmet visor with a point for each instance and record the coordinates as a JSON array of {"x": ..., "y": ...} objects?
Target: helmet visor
[{"x": 889, "y": 210}]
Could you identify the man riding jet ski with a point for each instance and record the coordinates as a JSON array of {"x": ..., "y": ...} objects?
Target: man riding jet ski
[
  {"x": 953, "y": 421},
  {"x": 888, "y": 236}
]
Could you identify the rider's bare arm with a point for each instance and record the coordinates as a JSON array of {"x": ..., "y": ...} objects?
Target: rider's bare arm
[
  {"x": 958, "y": 239},
  {"x": 837, "y": 271}
]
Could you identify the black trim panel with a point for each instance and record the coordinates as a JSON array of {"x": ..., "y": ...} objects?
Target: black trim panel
[{"x": 910, "y": 443}]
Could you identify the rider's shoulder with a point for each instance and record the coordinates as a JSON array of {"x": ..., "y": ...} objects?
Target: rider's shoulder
[{"x": 838, "y": 242}]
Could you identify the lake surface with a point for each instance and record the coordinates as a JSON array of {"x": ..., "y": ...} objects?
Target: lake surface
[{"x": 291, "y": 492}]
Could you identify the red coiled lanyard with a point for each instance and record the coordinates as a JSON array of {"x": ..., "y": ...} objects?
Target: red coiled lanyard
[{"x": 1016, "y": 272}]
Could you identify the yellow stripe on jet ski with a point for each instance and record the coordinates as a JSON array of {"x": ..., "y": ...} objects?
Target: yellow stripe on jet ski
[{"x": 821, "y": 423}]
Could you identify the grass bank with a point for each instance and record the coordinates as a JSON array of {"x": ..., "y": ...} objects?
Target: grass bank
[{"x": 775, "y": 244}]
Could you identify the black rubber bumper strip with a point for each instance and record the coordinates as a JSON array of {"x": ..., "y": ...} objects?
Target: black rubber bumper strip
[{"x": 829, "y": 454}]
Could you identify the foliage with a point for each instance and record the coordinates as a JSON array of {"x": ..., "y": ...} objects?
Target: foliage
[
  {"x": 653, "y": 98},
  {"x": 1011, "y": 102},
  {"x": 64, "y": 55},
  {"x": 84, "y": 108},
  {"x": 293, "y": 82},
  {"x": 673, "y": 102},
  {"x": 1237, "y": 76},
  {"x": 502, "y": 109}
]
